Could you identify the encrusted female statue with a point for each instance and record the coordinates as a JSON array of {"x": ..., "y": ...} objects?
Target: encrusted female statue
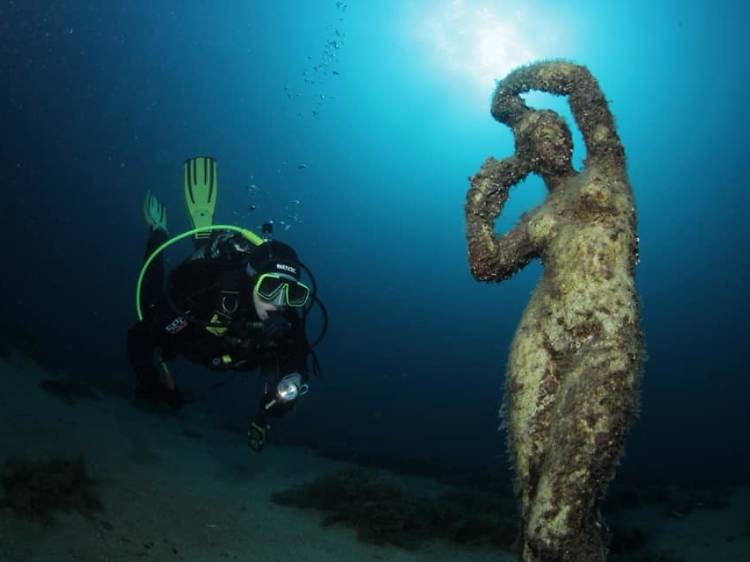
[{"x": 572, "y": 380}]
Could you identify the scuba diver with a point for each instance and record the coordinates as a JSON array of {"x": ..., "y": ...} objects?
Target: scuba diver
[{"x": 236, "y": 304}]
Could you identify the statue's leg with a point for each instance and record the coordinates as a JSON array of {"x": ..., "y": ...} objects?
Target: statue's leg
[
  {"x": 593, "y": 409},
  {"x": 531, "y": 381}
]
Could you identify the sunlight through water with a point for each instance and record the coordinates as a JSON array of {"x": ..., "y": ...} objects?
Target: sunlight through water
[{"x": 480, "y": 42}]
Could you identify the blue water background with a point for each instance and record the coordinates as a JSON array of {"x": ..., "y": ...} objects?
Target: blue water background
[{"x": 103, "y": 100}]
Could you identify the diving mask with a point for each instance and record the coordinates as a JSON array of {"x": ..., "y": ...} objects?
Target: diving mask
[{"x": 282, "y": 290}]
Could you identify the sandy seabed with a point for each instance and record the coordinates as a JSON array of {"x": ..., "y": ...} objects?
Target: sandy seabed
[{"x": 174, "y": 489}]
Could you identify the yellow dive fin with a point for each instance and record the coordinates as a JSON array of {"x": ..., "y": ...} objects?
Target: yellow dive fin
[
  {"x": 201, "y": 188},
  {"x": 154, "y": 212}
]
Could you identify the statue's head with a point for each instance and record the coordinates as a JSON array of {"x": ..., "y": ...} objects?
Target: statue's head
[{"x": 544, "y": 142}]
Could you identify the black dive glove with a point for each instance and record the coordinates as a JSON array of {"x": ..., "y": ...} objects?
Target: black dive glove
[{"x": 256, "y": 435}]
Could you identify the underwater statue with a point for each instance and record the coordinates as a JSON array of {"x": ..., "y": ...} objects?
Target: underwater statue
[{"x": 572, "y": 382}]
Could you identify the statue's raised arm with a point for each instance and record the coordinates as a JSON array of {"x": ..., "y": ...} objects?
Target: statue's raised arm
[{"x": 587, "y": 102}]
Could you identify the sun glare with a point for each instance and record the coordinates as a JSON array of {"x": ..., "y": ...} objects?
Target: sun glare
[{"x": 479, "y": 42}]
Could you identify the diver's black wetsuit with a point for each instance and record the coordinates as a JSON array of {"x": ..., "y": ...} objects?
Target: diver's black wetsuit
[{"x": 206, "y": 314}]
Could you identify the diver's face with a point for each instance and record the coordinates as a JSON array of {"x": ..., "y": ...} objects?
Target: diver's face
[{"x": 263, "y": 308}]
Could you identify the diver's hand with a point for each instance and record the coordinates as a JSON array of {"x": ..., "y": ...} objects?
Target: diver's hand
[{"x": 256, "y": 436}]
